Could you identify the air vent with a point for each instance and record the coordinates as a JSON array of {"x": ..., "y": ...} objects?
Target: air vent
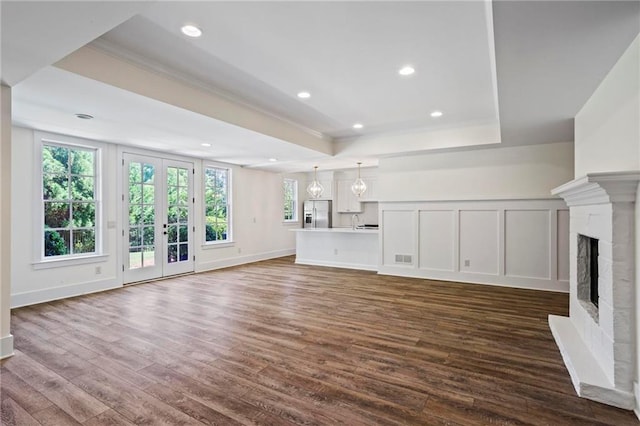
[{"x": 404, "y": 258}]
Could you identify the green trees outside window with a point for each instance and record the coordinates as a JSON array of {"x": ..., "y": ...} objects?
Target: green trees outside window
[
  {"x": 290, "y": 199},
  {"x": 216, "y": 204},
  {"x": 68, "y": 200},
  {"x": 142, "y": 214}
]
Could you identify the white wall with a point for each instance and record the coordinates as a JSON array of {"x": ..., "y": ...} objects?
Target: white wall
[
  {"x": 6, "y": 340},
  {"x": 607, "y": 139},
  {"x": 29, "y": 285},
  {"x": 636, "y": 380},
  {"x": 607, "y": 128},
  {"x": 482, "y": 216},
  {"x": 494, "y": 173},
  {"x": 258, "y": 228},
  {"x": 257, "y": 212},
  {"x": 516, "y": 243}
]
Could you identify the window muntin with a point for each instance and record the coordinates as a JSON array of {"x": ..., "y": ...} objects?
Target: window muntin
[
  {"x": 290, "y": 200},
  {"x": 69, "y": 202},
  {"x": 216, "y": 204}
]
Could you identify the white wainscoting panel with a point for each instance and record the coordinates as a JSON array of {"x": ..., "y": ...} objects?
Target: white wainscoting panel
[
  {"x": 437, "y": 239},
  {"x": 515, "y": 243},
  {"x": 479, "y": 241},
  {"x": 399, "y": 235},
  {"x": 527, "y": 243},
  {"x": 563, "y": 244}
]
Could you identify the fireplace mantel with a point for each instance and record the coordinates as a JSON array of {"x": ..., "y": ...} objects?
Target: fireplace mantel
[
  {"x": 600, "y": 188},
  {"x": 600, "y": 350}
]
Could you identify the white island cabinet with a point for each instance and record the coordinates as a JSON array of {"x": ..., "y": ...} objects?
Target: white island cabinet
[{"x": 338, "y": 247}]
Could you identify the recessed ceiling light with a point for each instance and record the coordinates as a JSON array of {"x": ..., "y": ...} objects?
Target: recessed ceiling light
[
  {"x": 436, "y": 114},
  {"x": 205, "y": 144},
  {"x": 304, "y": 95},
  {"x": 406, "y": 70},
  {"x": 191, "y": 31},
  {"x": 84, "y": 116},
  {"x": 358, "y": 126},
  {"x": 273, "y": 160}
]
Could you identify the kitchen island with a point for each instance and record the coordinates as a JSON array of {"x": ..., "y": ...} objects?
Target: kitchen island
[{"x": 338, "y": 247}]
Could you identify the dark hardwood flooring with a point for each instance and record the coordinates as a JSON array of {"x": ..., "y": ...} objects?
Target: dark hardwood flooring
[{"x": 274, "y": 343}]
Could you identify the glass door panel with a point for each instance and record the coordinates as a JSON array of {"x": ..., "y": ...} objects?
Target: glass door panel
[
  {"x": 179, "y": 198},
  {"x": 158, "y": 217},
  {"x": 141, "y": 215}
]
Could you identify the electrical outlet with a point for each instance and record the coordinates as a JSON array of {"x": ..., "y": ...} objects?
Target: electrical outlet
[
  {"x": 335, "y": 251},
  {"x": 467, "y": 262},
  {"x": 98, "y": 270},
  {"x": 239, "y": 250}
]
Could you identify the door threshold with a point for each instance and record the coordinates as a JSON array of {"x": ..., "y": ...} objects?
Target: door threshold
[{"x": 159, "y": 279}]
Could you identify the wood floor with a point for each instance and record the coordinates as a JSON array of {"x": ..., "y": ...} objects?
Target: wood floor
[{"x": 274, "y": 343}]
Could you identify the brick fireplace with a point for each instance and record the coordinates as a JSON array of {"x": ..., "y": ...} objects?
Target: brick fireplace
[{"x": 598, "y": 339}]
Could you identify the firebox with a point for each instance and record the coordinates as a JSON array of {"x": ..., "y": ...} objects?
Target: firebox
[{"x": 587, "y": 271}]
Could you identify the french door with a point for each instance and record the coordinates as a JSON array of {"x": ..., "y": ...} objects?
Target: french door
[{"x": 158, "y": 217}]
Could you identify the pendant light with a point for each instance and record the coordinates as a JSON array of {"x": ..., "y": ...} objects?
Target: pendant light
[
  {"x": 315, "y": 189},
  {"x": 358, "y": 187}
]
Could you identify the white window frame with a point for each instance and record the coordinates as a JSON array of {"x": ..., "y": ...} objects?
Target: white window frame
[
  {"x": 295, "y": 218},
  {"x": 229, "y": 240},
  {"x": 99, "y": 255}
]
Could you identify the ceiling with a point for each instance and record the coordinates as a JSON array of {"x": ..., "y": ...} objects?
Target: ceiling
[
  {"x": 144, "y": 122},
  {"x": 502, "y": 72}
]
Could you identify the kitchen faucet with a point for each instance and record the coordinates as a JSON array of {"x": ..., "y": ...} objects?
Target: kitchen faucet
[{"x": 354, "y": 221}]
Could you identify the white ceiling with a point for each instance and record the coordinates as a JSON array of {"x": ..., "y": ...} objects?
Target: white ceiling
[
  {"x": 546, "y": 59},
  {"x": 346, "y": 54},
  {"x": 35, "y": 34},
  {"x": 551, "y": 56},
  {"x": 54, "y": 96}
]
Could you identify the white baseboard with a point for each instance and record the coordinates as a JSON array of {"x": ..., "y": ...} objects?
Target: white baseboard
[
  {"x": 6, "y": 346},
  {"x": 241, "y": 260},
  {"x": 636, "y": 394},
  {"x": 487, "y": 279},
  {"x": 63, "y": 292},
  {"x": 330, "y": 264}
]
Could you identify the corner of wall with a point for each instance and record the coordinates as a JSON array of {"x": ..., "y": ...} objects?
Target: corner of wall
[
  {"x": 636, "y": 396},
  {"x": 6, "y": 346}
]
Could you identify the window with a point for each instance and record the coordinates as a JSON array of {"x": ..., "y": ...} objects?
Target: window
[
  {"x": 290, "y": 200},
  {"x": 69, "y": 203},
  {"x": 216, "y": 204}
]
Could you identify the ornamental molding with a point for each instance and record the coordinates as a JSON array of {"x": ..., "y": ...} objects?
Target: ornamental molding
[{"x": 600, "y": 188}]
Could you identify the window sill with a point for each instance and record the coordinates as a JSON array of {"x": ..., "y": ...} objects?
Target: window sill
[
  {"x": 71, "y": 261},
  {"x": 291, "y": 223},
  {"x": 212, "y": 245}
]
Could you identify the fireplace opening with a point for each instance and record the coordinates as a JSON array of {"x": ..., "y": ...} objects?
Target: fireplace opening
[
  {"x": 593, "y": 271},
  {"x": 587, "y": 269}
]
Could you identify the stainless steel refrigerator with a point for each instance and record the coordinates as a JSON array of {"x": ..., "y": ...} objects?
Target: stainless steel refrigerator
[{"x": 317, "y": 214}]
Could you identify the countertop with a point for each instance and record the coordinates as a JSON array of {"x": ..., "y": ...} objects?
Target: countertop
[{"x": 346, "y": 230}]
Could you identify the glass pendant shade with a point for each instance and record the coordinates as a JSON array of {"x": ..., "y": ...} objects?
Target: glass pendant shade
[
  {"x": 315, "y": 189},
  {"x": 358, "y": 187}
]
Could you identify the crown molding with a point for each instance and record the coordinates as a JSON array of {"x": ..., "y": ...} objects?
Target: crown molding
[{"x": 154, "y": 66}]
